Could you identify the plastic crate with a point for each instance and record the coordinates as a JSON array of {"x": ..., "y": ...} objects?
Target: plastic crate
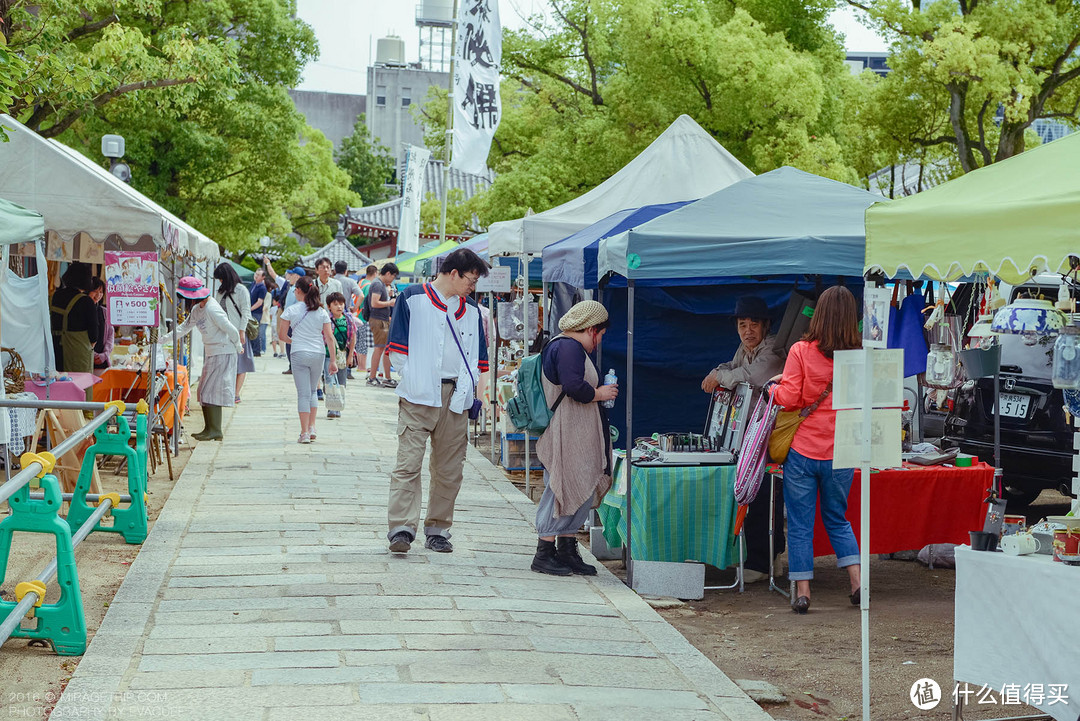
[{"x": 513, "y": 452}]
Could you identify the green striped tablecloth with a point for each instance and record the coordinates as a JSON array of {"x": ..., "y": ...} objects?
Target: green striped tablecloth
[{"x": 681, "y": 513}]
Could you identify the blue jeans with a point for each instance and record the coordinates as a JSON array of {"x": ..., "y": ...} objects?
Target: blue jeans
[
  {"x": 259, "y": 344},
  {"x": 804, "y": 481}
]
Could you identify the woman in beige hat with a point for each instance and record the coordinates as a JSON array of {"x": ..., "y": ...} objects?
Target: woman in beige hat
[{"x": 575, "y": 447}]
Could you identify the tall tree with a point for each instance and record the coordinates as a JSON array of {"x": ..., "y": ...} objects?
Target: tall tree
[
  {"x": 368, "y": 163},
  {"x": 198, "y": 91},
  {"x": 590, "y": 86},
  {"x": 969, "y": 77}
]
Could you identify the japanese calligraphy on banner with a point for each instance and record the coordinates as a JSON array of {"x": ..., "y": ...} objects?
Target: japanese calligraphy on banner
[
  {"x": 477, "y": 107},
  {"x": 131, "y": 280},
  {"x": 411, "y": 197}
]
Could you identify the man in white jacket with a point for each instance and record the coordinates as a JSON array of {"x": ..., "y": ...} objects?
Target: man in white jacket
[{"x": 436, "y": 340}]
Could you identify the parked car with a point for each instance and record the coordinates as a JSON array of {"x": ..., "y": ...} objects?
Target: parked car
[{"x": 1036, "y": 439}]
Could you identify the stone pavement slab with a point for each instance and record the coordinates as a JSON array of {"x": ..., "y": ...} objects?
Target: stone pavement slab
[{"x": 266, "y": 591}]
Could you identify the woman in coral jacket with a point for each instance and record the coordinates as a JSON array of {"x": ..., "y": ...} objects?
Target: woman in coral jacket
[{"x": 808, "y": 471}]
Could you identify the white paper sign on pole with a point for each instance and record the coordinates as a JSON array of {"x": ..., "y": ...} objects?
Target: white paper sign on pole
[
  {"x": 477, "y": 105},
  {"x": 496, "y": 281},
  {"x": 411, "y": 197},
  {"x": 884, "y": 438},
  {"x": 886, "y": 382}
]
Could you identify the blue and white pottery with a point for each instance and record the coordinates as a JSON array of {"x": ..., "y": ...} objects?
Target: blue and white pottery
[
  {"x": 1072, "y": 401},
  {"x": 1029, "y": 316}
]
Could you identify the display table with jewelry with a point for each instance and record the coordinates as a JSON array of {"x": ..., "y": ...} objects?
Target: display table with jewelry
[
  {"x": 681, "y": 513},
  {"x": 682, "y": 487},
  {"x": 1012, "y": 631}
]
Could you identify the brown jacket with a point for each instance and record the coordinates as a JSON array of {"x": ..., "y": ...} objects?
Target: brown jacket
[{"x": 572, "y": 448}]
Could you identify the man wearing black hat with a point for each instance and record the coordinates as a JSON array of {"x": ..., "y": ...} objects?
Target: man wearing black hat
[{"x": 756, "y": 361}]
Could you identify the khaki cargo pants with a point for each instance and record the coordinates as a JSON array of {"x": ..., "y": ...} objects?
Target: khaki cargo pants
[{"x": 449, "y": 437}]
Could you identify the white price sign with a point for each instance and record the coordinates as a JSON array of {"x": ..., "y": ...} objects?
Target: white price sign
[
  {"x": 126, "y": 310},
  {"x": 496, "y": 281}
]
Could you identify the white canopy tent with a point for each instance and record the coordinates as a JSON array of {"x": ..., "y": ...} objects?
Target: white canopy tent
[
  {"x": 683, "y": 163},
  {"x": 75, "y": 195}
]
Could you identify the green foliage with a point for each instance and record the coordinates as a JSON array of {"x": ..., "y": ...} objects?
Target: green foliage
[
  {"x": 459, "y": 215},
  {"x": 198, "y": 91},
  {"x": 954, "y": 64},
  {"x": 588, "y": 90},
  {"x": 367, "y": 163},
  {"x": 12, "y": 68}
]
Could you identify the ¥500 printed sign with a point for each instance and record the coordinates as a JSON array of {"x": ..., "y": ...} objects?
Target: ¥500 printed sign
[{"x": 132, "y": 285}]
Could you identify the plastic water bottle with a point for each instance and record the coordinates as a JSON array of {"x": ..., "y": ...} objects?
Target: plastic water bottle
[{"x": 609, "y": 380}]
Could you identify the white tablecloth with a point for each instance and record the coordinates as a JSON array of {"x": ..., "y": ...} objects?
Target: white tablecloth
[{"x": 1017, "y": 623}]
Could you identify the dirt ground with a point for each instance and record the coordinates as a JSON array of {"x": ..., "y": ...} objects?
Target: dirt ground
[
  {"x": 33, "y": 677},
  {"x": 815, "y": 659}
]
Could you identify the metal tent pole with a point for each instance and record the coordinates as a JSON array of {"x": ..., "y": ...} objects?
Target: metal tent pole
[
  {"x": 176, "y": 372},
  {"x": 523, "y": 265},
  {"x": 629, "y": 431},
  {"x": 493, "y": 364},
  {"x": 449, "y": 138},
  {"x": 864, "y": 545}
]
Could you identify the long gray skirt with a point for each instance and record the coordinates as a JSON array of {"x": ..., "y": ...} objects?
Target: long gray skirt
[
  {"x": 217, "y": 386},
  {"x": 548, "y": 524},
  {"x": 245, "y": 362}
]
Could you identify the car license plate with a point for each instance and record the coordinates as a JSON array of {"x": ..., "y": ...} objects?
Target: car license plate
[{"x": 1014, "y": 405}]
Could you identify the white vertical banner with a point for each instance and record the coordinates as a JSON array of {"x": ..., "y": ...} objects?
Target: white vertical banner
[
  {"x": 477, "y": 107},
  {"x": 411, "y": 197}
]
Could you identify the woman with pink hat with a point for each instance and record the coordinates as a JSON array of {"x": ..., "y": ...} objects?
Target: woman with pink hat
[{"x": 221, "y": 342}]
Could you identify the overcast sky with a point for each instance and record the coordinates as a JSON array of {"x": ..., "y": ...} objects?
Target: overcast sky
[{"x": 347, "y": 31}]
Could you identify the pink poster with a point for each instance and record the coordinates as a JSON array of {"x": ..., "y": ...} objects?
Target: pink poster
[{"x": 132, "y": 287}]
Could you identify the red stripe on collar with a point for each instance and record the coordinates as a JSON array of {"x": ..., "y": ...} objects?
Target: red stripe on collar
[
  {"x": 460, "y": 311},
  {"x": 434, "y": 297}
]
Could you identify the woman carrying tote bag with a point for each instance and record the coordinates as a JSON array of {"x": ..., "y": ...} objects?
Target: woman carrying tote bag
[
  {"x": 806, "y": 384},
  {"x": 235, "y": 300}
]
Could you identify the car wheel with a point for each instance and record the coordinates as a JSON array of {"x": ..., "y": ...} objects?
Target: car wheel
[{"x": 1021, "y": 495}]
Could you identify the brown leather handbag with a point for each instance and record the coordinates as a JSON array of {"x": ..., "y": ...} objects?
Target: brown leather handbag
[{"x": 787, "y": 422}]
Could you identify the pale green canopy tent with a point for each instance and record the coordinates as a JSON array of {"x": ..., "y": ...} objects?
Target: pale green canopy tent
[
  {"x": 19, "y": 225},
  {"x": 1006, "y": 218},
  {"x": 408, "y": 267},
  {"x": 246, "y": 275}
]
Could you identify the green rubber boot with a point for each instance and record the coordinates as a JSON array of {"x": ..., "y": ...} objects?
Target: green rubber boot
[{"x": 212, "y": 425}]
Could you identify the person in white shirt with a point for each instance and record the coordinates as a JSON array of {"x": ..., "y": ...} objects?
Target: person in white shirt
[
  {"x": 436, "y": 342},
  {"x": 235, "y": 300},
  {"x": 221, "y": 341},
  {"x": 306, "y": 324},
  {"x": 326, "y": 282}
]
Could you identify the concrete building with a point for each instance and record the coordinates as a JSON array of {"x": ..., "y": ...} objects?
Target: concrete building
[
  {"x": 392, "y": 91},
  {"x": 332, "y": 113},
  {"x": 877, "y": 62}
]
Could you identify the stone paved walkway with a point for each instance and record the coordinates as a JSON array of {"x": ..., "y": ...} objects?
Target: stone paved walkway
[{"x": 265, "y": 591}]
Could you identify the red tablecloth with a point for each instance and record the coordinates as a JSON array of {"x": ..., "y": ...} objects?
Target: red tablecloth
[{"x": 918, "y": 505}]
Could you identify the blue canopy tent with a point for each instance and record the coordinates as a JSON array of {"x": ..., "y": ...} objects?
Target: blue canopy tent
[
  {"x": 572, "y": 260},
  {"x": 763, "y": 235}
]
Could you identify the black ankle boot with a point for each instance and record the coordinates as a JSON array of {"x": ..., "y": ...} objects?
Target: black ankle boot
[
  {"x": 547, "y": 561},
  {"x": 568, "y": 554}
]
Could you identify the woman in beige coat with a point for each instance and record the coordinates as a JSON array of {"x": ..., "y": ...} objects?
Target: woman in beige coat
[{"x": 575, "y": 446}]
